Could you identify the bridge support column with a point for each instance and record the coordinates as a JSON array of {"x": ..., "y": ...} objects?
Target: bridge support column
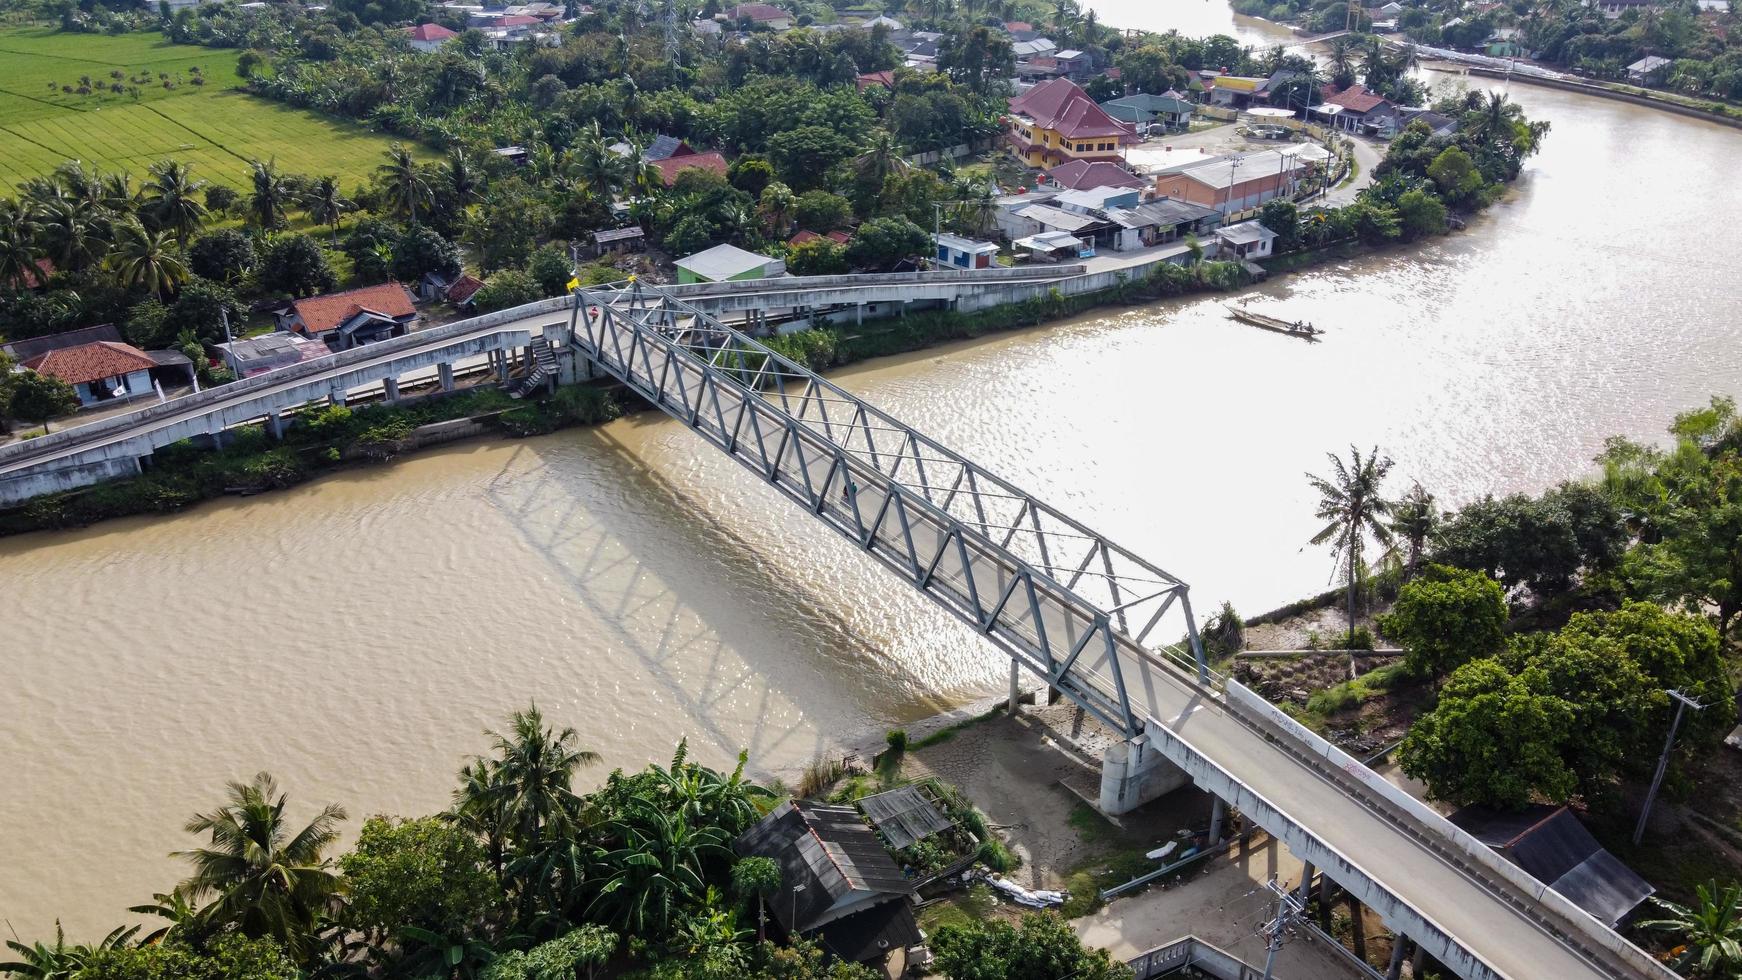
[
  {"x": 1218, "y": 815},
  {"x": 1398, "y": 946},
  {"x": 445, "y": 371},
  {"x": 501, "y": 361},
  {"x": 336, "y": 394},
  {"x": 859, "y": 314},
  {"x": 1306, "y": 881},
  {"x": 1132, "y": 774},
  {"x": 390, "y": 390},
  {"x": 275, "y": 425},
  {"x": 1015, "y": 686}
]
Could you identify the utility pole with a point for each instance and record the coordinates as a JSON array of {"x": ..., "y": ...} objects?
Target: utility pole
[
  {"x": 1288, "y": 908},
  {"x": 1683, "y": 702}
]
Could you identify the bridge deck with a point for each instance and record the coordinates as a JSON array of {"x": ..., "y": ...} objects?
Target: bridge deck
[{"x": 1049, "y": 628}]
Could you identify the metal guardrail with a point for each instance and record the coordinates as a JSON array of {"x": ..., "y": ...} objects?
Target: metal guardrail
[{"x": 237, "y": 390}]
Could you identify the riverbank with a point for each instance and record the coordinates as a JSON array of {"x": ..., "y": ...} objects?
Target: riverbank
[
  {"x": 1716, "y": 112},
  {"x": 324, "y": 440}
]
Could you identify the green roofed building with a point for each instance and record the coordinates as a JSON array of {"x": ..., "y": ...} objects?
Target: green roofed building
[
  {"x": 723, "y": 263},
  {"x": 1175, "y": 113}
]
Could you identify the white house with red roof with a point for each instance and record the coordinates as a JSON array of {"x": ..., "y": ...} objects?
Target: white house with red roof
[
  {"x": 428, "y": 37},
  {"x": 1056, "y": 122},
  {"x": 352, "y": 317},
  {"x": 1356, "y": 110},
  {"x": 98, "y": 371}
]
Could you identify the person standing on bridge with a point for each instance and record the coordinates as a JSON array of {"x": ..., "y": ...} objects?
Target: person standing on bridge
[{"x": 849, "y": 490}]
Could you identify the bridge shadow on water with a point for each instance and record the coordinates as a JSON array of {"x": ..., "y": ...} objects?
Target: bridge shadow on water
[{"x": 745, "y": 635}]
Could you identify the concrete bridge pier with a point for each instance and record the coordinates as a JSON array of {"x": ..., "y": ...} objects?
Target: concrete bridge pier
[
  {"x": 445, "y": 371},
  {"x": 1398, "y": 947},
  {"x": 1219, "y": 814},
  {"x": 275, "y": 425},
  {"x": 390, "y": 390},
  {"x": 1133, "y": 773}
]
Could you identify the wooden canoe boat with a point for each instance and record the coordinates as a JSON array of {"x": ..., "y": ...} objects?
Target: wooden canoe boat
[{"x": 1294, "y": 328}]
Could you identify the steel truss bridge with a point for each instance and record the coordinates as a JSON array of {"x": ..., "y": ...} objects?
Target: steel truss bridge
[{"x": 1091, "y": 618}]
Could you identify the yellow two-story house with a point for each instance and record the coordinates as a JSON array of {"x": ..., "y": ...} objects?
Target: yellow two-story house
[{"x": 1056, "y": 122}]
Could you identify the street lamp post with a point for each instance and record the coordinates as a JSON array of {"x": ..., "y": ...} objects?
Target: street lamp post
[{"x": 1683, "y": 702}]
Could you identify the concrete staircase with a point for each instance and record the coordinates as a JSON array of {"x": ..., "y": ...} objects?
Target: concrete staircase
[{"x": 544, "y": 368}]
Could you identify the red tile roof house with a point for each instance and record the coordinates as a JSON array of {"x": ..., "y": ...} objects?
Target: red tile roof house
[
  {"x": 428, "y": 37},
  {"x": 1356, "y": 110},
  {"x": 98, "y": 371},
  {"x": 670, "y": 166},
  {"x": 1083, "y": 175},
  {"x": 355, "y": 316},
  {"x": 1056, "y": 122},
  {"x": 875, "y": 79}
]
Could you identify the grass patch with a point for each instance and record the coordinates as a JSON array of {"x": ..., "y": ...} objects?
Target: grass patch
[
  {"x": 1350, "y": 695},
  {"x": 943, "y": 735},
  {"x": 962, "y": 911},
  {"x": 214, "y": 126}
]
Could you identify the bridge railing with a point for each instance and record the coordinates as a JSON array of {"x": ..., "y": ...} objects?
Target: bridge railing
[
  {"x": 214, "y": 397},
  {"x": 1000, "y": 274}
]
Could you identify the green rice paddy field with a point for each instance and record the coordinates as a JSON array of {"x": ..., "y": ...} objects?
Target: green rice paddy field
[{"x": 216, "y": 127}]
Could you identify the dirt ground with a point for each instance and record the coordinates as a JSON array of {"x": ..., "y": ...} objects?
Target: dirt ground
[{"x": 1013, "y": 769}]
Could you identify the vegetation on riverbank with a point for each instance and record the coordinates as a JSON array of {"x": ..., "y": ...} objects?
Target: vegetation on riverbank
[
  {"x": 317, "y": 441},
  {"x": 1541, "y": 635},
  {"x": 523, "y": 878}
]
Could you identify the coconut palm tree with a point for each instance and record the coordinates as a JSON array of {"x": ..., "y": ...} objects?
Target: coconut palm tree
[
  {"x": 1350, "y": 502},
  {"x": 271, "y": 194},
  {"x": 463, "y": 182},
  {"x": 533, "y": 773},
  {"x": 881, "y": 158},
  {"x": 325, "y": 204},
  {"x": 171, "y": 199},
  {"x": 71, "y": 233},
  {"x": 18, "y": 250},
  {"x": 404, "y": 178},
  {"x": 262, "y": 877},
  {"x": 1711, "y": 932},
  {"x": 479, "y": 807},
  {"x": 1414, "y": 519},
  {"x": 775, "y": 208},
  {"x": 597, "y": 165},
  {"x": 142, "y": 257}
]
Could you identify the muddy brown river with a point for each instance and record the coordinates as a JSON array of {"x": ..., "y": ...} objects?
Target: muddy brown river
[{"x": 355, "y": 635}]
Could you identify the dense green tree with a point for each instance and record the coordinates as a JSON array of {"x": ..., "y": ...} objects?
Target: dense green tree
[
  {"x": 882, "y": 243},
  {"x": 580, "y": 953},
  {"x": 751, "y": 174},
  {"x": 978, "y": 58},
  {"x": 1540, "y": 542},
  {"x": 421, "y": 249},
  {"x": 817, "y": 257},
  {"x": 657, "y": 869},
  {"x": 1420, "y": 214},
  {"x": 822, "y": 212},
  {"x": 226, "y": 957},
  {"x": 756, "y": 879},
  {"x": 1491, "y": 740},
  {"x": 1455, "y": 176},
  {"x": 147, "y": 326},
  {"x": 1675, "y": 651},
  {"x": 36, "y": 398},
  {"x": 201, "y": 309},
  {"x": 553, "y": 268},
  {"x": 1612, "y": 701},
  {"x": 505, "y": 290},
  {"x": 265, "y": 878},
  {"x": 223, "y": 256},
  {"x": 1415, "y": 519},
  {"x": 295, "y": 264},
  {"x": 1446, "y": 618},
  {"x": 1350, "y": 500},
  {"x": 805, "y": 156},
  {"x": 1042, "y": 948},
  {"x": 1283, "y": 218},
  {"x": 425, "y": 872}
]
